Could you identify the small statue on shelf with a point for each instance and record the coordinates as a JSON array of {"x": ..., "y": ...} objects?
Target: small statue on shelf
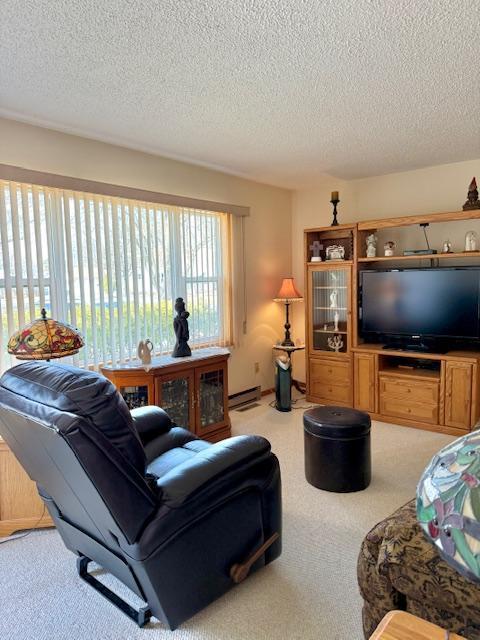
[
  {"x": 336, "y": 318},
  {"x": 389, "y": 248},
  {"x": 371, "y": 241},
  {"x": 447, "y": 247},
  {"x": 472, "y": 197},
  {"x": 180, "y": 326},
  {"x": 333, "y": 299},
  {"x": 470, "y": 241},
  {"x": 335, "y": 343},
  {"x": 316, "y": 248},
  {"x": 144, "y": 351}
]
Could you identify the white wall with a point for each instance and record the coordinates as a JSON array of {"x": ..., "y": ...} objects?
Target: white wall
[
  {"x": 429, "y": 190},
  {"x": 268, "y": 229},
  {"x": 274, "y": 231}
]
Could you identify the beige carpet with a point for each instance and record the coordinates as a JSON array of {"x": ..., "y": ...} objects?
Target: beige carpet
[{"x": 309, "y": 593}]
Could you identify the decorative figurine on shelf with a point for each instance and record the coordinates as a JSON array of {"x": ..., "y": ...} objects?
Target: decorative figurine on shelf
[
  {"x": 335, "y": 252},
  {"x": 371, "y": 241},
  {"x": 472, "y": 197},
  {"x": 334, "y": 200},
  {"x": 144, "y": 351},
  {"x": 336, "y": 318},
  {"x": 335, "y": 343},
  {"x": 315, "y": 248},
  {"x": 333, "y": 299},
  {"x": 389, "y": 247},
  {"x": 447, "y": 247},
  {"x": 471, "y": 241},
  {"x": 180, "y": 326}
]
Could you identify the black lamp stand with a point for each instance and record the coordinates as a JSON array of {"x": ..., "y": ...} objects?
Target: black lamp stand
[{"x": 287, "y": 341}]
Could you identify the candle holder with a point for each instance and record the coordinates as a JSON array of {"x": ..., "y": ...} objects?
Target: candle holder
[{"x": 334, "y": 201}]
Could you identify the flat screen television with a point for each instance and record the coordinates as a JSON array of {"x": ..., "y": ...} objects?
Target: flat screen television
[{"x": 421, "y": 308}]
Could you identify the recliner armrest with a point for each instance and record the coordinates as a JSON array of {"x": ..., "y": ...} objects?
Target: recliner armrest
[
  {"x": 150, "y": 422},
  {"x": 180, "y": 483}
]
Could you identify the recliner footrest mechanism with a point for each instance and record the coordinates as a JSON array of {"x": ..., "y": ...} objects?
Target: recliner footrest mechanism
[
  {"x": 240, "y": 571},
  {"x": 141, "y": 616}
]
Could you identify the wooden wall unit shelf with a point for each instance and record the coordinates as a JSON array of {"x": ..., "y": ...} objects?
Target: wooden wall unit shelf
[
  {"x": 193, "y": 390},
  {"x": 425, "y": 256},
  {"x": 393, "y": 386},
  {"x": 405, "y": 221}
]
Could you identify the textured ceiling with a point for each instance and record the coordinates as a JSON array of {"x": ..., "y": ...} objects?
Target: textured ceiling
[{"x": 276, "y": 90}]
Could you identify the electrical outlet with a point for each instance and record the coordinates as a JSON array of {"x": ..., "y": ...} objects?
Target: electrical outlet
[{"x": 256, "y": 367}]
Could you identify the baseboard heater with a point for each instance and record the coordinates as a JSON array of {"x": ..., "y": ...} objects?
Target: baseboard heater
[{"x": 244, "y": 397}]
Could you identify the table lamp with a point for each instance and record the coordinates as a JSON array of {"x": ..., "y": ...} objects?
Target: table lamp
[
  {"x": 45, "y": 339},
  {"x": 288, "y": 294}
]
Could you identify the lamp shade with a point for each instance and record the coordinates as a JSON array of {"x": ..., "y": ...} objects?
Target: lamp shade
[
  {"x": 288, "y": 291},
  {"x": 44, "y": 339}
]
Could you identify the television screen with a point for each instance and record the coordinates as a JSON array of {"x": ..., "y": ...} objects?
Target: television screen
[{"x": 421, "y": 302}]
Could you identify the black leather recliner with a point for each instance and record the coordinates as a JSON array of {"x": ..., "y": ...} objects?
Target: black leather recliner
[{"x": 176, "y": 519}]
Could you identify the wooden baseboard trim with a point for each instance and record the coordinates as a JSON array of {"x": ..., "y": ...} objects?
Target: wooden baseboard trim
[{"x": 266, "y": 392}]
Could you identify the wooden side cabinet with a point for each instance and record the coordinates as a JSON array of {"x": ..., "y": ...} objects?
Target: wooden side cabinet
[
  {"x": 20, "y": 505},
  {"x": 364, "y": 376},
  {"x": 458, "y": 394},
  {"x": 193, "y": 390}
]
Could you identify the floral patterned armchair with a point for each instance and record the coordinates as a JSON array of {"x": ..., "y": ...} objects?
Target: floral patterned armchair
[{"x": 398, "y": 568}]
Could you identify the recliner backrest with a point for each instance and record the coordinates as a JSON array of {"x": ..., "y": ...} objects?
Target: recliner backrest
[{"x": 73, "y": 433}]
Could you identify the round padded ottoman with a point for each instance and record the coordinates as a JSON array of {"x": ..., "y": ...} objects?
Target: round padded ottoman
[{"x": 337, "y": 448}]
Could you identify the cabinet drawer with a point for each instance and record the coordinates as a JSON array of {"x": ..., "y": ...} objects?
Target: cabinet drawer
[
  {"x": 412, "y": 410},
  {"x": 412, "y": 390},
  {"x": 328, "y": 372},
  {"x": 332, "y": 392}
]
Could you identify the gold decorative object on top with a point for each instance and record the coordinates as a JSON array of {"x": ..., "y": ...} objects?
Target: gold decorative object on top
[{"x": 44, "y": 339}]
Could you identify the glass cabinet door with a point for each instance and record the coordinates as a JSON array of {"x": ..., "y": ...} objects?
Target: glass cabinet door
[
  {"x": 330, "y": 309},
  {"x": 211, "y": 399},
  {"x": 175, "y": 396},
  {"x": 136, "y": 392}
]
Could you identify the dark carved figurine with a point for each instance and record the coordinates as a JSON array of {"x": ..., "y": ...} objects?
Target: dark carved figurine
[
  {"x": 180, "y": 326},
  {"x": 472, "y": 198}
]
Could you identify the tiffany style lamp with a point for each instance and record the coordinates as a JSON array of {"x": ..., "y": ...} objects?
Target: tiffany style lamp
[{"x": 44, "y": 339}]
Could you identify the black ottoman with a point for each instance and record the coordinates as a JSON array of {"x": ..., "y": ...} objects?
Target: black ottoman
[{"x": 337, "y": 448}]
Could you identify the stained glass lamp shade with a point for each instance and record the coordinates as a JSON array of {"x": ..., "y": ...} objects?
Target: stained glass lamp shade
[
  {"x": 448, "y": 504},
  {"x": 45, "y": 339}
]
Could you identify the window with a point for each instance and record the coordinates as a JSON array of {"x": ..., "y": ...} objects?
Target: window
[{"x": 112, "y": 268}]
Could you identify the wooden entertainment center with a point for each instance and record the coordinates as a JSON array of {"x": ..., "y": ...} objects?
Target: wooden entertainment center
[{"x": 434, "y": 391}]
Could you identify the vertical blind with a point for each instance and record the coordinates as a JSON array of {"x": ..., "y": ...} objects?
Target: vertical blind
[{"x": 112, "y": 268}]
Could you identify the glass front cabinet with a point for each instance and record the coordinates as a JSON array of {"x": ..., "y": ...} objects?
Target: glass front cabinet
[
  {"x": 193, "y": 391},
  {"x": 211, "y": 398},
  {"x": 329, "y": 309},
  {"x": 175, "y": 394},
  {"x": 329, "y": 316},
  {"x": 136, "y": 391}
]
